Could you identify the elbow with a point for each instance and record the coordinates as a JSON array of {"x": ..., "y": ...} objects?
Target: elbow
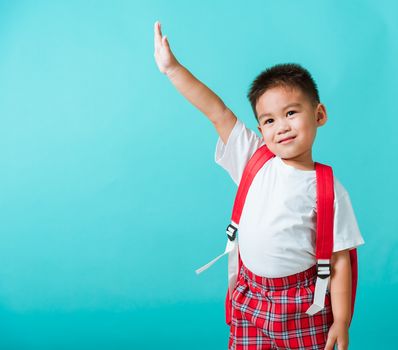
[{"x": 220, "y": 116}]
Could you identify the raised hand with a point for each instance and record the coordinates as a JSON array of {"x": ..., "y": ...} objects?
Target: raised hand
[
  {"x": 192, "y": 88},
  {"x": 164, "y": 57}
]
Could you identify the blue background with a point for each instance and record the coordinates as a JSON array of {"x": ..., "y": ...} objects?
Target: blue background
[{"x": 109, "y": 194}]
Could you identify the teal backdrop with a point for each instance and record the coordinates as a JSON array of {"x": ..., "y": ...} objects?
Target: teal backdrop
[{"x": 109, "y": 194}]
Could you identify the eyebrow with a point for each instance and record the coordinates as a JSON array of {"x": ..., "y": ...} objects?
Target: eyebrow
[{"x": 295, "y": 104}]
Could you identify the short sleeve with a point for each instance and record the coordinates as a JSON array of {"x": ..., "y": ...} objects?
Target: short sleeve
[
  {"x": 241, "y": 145},
  {"x": 345, "y": 228}
]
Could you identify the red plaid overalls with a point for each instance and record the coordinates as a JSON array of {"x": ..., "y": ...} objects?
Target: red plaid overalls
[{"x": 270, "y": 313}]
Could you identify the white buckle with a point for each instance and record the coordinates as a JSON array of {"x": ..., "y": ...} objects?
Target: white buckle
[{"x": 321, "y": 284}]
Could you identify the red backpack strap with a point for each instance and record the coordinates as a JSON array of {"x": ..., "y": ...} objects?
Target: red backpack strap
[
  {"x": 324, "y": 234},
  {"x": 324, "y": 238},
  {"x": 255, "y": 163},
  {"x": 325, "y": 211}
]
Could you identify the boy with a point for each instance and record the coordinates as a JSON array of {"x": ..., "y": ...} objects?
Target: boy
[{"x": 277, "y": 227}]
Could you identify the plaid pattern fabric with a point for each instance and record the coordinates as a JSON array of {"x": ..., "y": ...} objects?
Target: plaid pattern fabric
[{"x": 269, "y": 313}]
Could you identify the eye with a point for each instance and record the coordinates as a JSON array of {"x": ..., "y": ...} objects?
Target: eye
[
  {"x": 268, "y": 120},
  {"x": 291, "y": 113}
]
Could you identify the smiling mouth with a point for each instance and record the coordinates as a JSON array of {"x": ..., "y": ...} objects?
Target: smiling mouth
[{"x": 287, "y": 140}]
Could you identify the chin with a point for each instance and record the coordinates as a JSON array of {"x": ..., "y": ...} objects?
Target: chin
[
  {"x": 288, "y": 155},
  {"x": 285, "y": 153}
]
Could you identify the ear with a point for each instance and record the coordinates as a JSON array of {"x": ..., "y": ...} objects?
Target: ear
[
  {"x": 321, "y": 115},
  {"x": 259, "y": 130}
]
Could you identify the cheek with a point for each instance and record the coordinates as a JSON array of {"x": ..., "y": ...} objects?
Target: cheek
[
  {"x": 303, "y": 126},
  {"x": 266, "y": 134},
  {"x": 308, "y": 133}
]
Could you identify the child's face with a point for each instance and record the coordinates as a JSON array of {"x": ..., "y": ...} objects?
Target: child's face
[{"x": 285, "y": 112}]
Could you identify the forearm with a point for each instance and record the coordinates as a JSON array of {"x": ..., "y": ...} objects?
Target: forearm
[
  {"x": 340, "y": 287},
  {"x": 197, "y": 93}
]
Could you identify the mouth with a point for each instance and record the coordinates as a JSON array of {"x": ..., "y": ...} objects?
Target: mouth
[{"x": 287, "y": 140}]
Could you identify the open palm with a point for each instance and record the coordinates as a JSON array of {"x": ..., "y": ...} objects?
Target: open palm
[{"x": 164, "y": 58}]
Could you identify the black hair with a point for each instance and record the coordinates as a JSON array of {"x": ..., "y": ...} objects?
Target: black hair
[{"x": 287, "y": 75}]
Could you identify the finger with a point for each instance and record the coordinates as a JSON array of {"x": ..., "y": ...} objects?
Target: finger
[
  {"x": 158, "y": 34},
  {"x": 160, "y": 29},
  {"x": 330, "y": 343},
  {"x": 165, "y": 42}
]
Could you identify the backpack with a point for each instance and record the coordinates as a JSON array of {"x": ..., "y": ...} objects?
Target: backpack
[{"x": 324, "y": 233}]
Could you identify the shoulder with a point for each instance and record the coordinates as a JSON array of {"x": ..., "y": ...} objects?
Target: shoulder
[
  {"x": 342, "y": 200},
  {"x": 339, "y": 190},
  {"x": 240, "y": 137},
  {"x": 233, "y": 155},
  {"x": 241, "y": 130}
]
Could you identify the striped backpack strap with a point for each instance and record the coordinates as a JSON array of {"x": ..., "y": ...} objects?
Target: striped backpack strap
[{"x": 255, "y": 163}]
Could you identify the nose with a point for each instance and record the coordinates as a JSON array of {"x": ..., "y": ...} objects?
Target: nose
[{"x": 283, "y": 127}]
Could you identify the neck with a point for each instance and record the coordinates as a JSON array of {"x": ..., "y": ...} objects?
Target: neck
[{"x": 302, "y": 162}]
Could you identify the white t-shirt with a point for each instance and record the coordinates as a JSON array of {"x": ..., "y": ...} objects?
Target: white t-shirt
[{"x": 277, "y": 229}]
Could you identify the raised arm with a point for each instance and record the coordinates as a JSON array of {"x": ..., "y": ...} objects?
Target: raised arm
[{"x": 191, "y": 88}]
